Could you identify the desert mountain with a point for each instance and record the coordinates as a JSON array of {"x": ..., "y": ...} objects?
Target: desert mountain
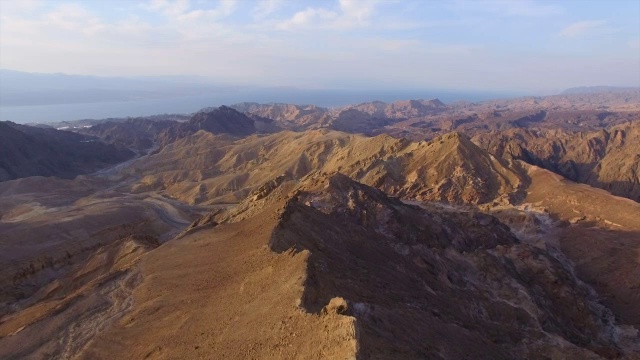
[
  {"x": 222, "y": 120},
  {"x": 237, "y": 239},
  {"x": 404, "y": 109},
  {"x": 288, "y": 116},
  {"x": 143, "y": 134},
  {"x": 361, "y": 118},
  {"x": 32, "y": 151},
  {"x": 332, "y": 268},
  {"x": 597, "y": 231},
  {"x": 608, "y": 159},
  {"x": 137, "y": 134},
  {"x": 599, "y": 90},
  {"x": 205, "y": 168},
  {"x": 426, "y": 119}
]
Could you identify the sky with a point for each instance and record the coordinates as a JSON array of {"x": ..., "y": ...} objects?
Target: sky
[{"x": 537, "y": 47}]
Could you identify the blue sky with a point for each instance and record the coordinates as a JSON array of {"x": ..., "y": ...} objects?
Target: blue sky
[{"x": 495, "y": 45}]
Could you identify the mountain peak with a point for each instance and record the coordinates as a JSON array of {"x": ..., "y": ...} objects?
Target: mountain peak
[{"x": 221, "y": 120}]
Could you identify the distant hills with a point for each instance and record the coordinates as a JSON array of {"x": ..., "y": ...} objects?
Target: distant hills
[
  {"x": 562, "y": 133},
  {"x": 598, "y": 89}
]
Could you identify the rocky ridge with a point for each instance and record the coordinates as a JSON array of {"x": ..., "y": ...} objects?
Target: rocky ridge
[{"x": 401, "y": 272}]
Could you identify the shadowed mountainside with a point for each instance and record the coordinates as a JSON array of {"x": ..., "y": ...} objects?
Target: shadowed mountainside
[
  {"x": 222, "y": 120},
  {"x": 31, "y": 151},
  {"x": 137, "y": 134}
]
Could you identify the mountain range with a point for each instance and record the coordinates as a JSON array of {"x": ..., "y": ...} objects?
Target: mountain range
[{"x": 407, "y": 230}]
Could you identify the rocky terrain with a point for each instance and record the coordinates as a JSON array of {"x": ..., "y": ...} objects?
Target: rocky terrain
[
  {"x": 50, "y": 224},
  {"x": 140, "y": 135},
  {"x": 205, "y": 168},
  {"x": 222, "y": 120},
  {"x": 425, "y": 119},
  {"x": 408, "y": 230},
  {"x": 31, "y": 151},
  {"x": 331, "y": 268},
  {"x": 608, "y": 159}
]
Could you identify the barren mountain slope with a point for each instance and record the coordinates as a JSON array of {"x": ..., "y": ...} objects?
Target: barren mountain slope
[
  {"x": 608, "y": 159},
  {"x": 288, "y": 116},
  {"x": 361, "y": 118},
  {"x": 334, "y": 269},
  {"x": 31, "y": 151},
  {"x": 628, "y": 100},
  {"x": 204, "y": 168},
  {"x": 139, "y": 134},
  {"x": 222, "y": 120},
  {"x": 601, "y": 235},
  {"x": 64, "y": 316},
  {"x": 49, "y": 224},
  {"x": 404, "y": 109}
]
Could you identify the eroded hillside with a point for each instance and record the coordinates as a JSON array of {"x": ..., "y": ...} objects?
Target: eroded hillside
[
  {"x": 204, "y": 168},
  {"x": 608, "y": 159}
]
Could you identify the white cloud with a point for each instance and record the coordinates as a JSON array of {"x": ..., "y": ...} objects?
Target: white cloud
[
  {"x": 169, "y": 8},
  {"x": 182, "y": 10},
  {"x": 350, "y": 14},
  {"x": 528, "y": 8},
  {"x": 265, "y": 8},
  {"x": 392, "y": 44},
  {"x": 307, "y": 17},
  {"x": 358, "y": 10},
  {"x": 582, "y": 28},
  {"x": 74, "y": 17},
  {"x": 522, "y": 8},
  {"x": 19, "y": 7}
]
